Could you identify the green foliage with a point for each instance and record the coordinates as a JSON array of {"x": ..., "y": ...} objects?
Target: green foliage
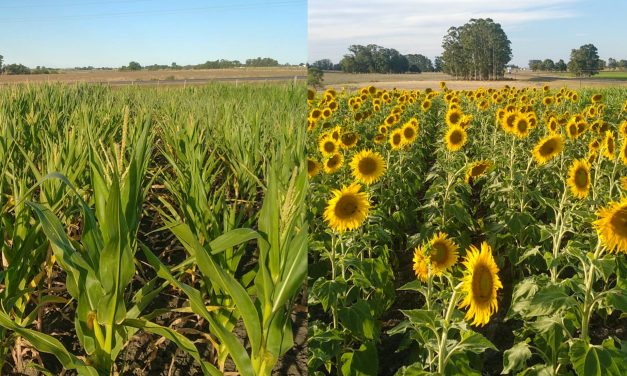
[
  {"x": 478, "y": 50},
  {"x": 315, "y": 77},
  {"x": 584, "y": 61}
]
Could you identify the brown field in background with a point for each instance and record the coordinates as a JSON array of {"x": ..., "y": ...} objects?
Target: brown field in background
[
  {"x": 422, "y": 81},
  {"x": 114, "y": 76}
]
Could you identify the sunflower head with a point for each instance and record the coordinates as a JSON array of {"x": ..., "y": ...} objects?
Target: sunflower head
[
  {"x": 396, "y": 139},
  {"x": 442, "y": 253},
  {"x": 480, "y": 284},
  {"x": 349, "y": 139},
  {"x": 333, "y": 163},
  {"x": 476, "y": 170},
  {"x": 455, "y": 138},
  {"x": 425, "y": 105},
  {"x": 347, "y": 209},
  {"x": 579, "y": 178},
  {"x": 521, "y": 126},
  {"x": 508, "y": 122},
  {"x": 453, "y": 116},
  {"x": 379, "y": 138},
  {"x": 313, "y": 167},
  {"x": 547, "y": 148},
  {"x": 609, "y": 144},
  {"x": 611, "y": 226},
  {"x": 410, "y": 131},
  {"x": 421, "y": 264},
  {"x": 328, "y": 146},
  {"x": 367, "y": 166}
]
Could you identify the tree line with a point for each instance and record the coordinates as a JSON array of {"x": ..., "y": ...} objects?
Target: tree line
[
  {"x": 377, "y": 59},
  {"x": 135, "y": 66},
  {"x": 584, "y": 61},
  {"x": 477, "y": 50}
]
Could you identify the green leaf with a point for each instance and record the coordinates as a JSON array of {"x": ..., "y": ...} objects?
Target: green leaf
[
  {"x": 590, "y": 360},
  {"x": 361, "y": 362},
  {"x": 235, "y": 348},
  {"x": 548, "y": 300},
  {"x": 358, "y": 320},
  {"x": 231, "y": 239},
  {"x": 516, "y": 358},
  {"x": 48, "y": 344},
  {"x": 473, "y": 342},
  {"x": 225, "y": 282},
  {"x": 181, "y": 341},
  {"x": 420, "y": 317},
  {"x": 328, "y": 292}
]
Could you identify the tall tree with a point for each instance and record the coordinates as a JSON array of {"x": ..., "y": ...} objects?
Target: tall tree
[
  {"x": 324, "y": 64},
  {"x": 584, "y": 61},
  {"x": 478, "y": 50},
  {"x": 1, "y": 60},
  {"x": 438, "y": 64},
  {"x": 561, "y": 66},
  {"x": 419, "y": 63}
]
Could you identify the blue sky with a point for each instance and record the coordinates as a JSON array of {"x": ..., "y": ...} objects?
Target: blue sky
[
  {"x": 68, "y": 33},
  {"x": 538, "y": 29}
]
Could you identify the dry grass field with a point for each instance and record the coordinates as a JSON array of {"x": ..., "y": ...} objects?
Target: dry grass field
[
  {"x": 431, "y": 80},
  {"x": 115, "y": 76}
]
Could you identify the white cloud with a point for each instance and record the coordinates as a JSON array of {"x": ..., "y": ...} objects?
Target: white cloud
[{"x": 413, "y": 25}]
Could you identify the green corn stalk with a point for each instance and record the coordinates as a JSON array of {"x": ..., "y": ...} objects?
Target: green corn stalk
[
  {"x": 205, "y": 207},
  {"x": 100, "y": 265},
  {"x": 243, "y": 137}
]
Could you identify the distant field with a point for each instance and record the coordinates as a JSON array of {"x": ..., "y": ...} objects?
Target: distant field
[
  {"x": 114, "y": 76},
  {"x": 432, "y": 80}
]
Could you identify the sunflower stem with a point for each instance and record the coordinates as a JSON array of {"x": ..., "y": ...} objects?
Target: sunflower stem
[
  {"x": 442, "y": 346},
  {"x": 588, "y": 301},
  {"x": 559, "y": 233},
  {"x": 333, "y": 275}
]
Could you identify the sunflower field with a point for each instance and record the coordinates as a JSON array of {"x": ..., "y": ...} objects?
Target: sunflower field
[
  {"x": 468, "y": 232},
  {"x": 151, "y": 230}
]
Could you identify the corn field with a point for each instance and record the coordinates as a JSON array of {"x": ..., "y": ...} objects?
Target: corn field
[{"x": 173, "y": 214}]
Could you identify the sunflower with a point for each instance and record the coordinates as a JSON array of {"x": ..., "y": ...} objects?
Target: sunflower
[
  {"x": 547, "y": 148},
  {"x": 313, "y": 167},
  {"x": 396, "y": 139},
  {"x": 347, "y": 209},
  {"x": 315, "y": 114},
  {"x": 508, "y": 121},
  {"x": 453, "y": 117},
  {"x": 328, "y": 146},
  {"x": 611, "y": 226},
  {"x": 623, "y": 152},
  {"x": 349, "y": 139},
  {"x": 579, "y": 178},
  {"x": 609, "y": 144},
  {"x": 421, "y": 264},
  {"x": 476, "y": 169},
  {"x": 623, "y": 183},
  {"x": 455, "y": 138},
  {"x": 596, "y": 98},
  {"x": 480, "y": 284},
  {"x": 410, "y": 132},
  {"x": 334, "y": 163},
  {"x": 442, "y": 253},
  {"x": 336, "y": 133},
  {"x": 379, "y": 138},
  {"x": 367, "y": 166},
  {"x": 622, "y": 128},
  {"x": 425, "y": 105},
  {"x": 521, "y": 126}
]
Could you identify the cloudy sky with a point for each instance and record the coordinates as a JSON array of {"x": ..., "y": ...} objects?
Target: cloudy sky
[{"x": 538, "y": 29}]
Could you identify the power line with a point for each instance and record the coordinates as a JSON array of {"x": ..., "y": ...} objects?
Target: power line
[{"x": 273, "y": 4}]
